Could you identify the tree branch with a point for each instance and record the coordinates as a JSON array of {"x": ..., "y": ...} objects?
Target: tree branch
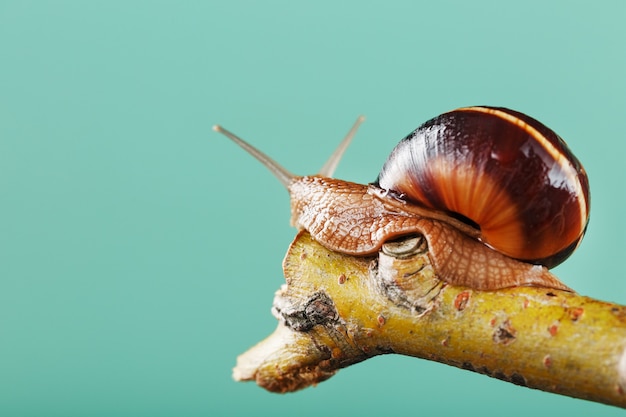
[{"x": 336, "y": 310}]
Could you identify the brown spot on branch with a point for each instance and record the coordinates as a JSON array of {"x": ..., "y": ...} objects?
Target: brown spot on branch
[{"x": 504, "y": 333}]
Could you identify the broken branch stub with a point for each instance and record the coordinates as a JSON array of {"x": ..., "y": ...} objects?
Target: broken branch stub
[{"x": 336, "y": 310}]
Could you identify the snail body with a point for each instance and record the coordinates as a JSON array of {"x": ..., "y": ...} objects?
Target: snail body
[{"x": 497, "y": 195}]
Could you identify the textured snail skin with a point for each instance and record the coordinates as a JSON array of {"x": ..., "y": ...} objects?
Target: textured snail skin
[
  {"x": 505, "y": 171},
  {"x": 356, "y": 219}
]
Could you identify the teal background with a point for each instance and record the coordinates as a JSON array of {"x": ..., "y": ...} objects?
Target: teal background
[{"x": 140, "y": 251}]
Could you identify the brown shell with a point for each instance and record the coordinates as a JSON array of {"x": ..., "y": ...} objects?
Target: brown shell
[{"x": 504, "y": 171}]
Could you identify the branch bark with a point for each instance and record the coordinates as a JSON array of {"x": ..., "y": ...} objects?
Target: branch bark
[{"x": 336, "y": 310}]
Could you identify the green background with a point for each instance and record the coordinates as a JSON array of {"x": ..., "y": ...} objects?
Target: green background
[{"x": 140, "y": 251}]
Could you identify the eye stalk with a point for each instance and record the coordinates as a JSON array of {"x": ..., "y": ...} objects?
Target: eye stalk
[{"x": 285, "y": 177}]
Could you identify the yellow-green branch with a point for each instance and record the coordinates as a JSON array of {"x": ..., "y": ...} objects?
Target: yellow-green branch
[{"x": 337, "y": 310}]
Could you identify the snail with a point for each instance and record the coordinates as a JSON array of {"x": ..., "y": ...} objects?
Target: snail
[{"x": 498, "y": 196}]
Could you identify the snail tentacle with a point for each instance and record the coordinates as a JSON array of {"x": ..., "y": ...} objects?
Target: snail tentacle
[
  {"x": 331, "y": 165},
  {"x": 285, "y": 177}
]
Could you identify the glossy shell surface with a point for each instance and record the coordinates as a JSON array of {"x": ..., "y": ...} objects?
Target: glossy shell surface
[{"x": 501, "y": 170}]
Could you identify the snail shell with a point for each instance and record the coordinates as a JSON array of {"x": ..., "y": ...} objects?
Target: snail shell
[{"x": 506, "y": 172}]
